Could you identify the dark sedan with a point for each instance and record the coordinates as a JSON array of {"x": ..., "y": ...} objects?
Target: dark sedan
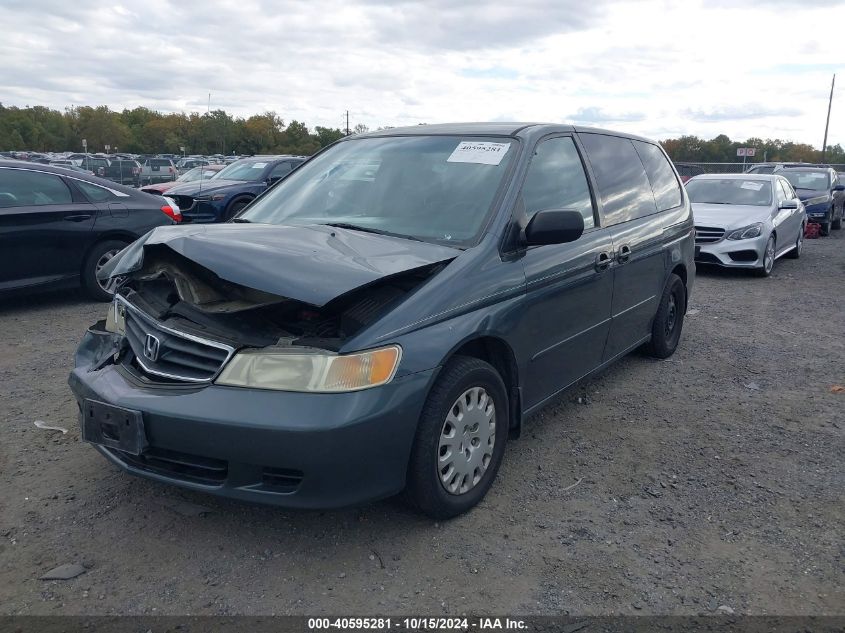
[
  {"x": 59, "y": 227},
  {"x": 225, "y": 195}
]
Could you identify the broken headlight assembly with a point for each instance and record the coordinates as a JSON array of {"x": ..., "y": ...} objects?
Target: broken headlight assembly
[
  {"x": 317, "y": 372},
  {"x": 116, "y": 318}
]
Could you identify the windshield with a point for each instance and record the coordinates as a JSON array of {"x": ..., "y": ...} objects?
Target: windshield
[
  {"x": 431, "y": 188},
  {"x": 243, "y": 170},
  {"x": 730, "y": 191},
  {"x": 197, "y": 173},
  {"x": 815, "y": 180}
]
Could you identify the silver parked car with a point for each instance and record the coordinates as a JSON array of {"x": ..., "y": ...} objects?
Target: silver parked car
[{"x": 745, "y": 220}]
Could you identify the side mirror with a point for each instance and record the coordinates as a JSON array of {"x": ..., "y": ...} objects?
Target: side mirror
[
  {"x": 554, "y": 226},
  {"x": 789, "y": 204},
  {"x": 273, "y": 179},
  {"x": 839, "y": 188}
]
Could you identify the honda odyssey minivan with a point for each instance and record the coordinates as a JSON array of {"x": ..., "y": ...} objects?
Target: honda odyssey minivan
[{"x": 385, "y": 317}]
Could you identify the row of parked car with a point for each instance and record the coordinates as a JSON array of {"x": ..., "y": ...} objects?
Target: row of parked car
[
  {"x": 750, "y": 220},
  {"x": 384, "y": 316}
]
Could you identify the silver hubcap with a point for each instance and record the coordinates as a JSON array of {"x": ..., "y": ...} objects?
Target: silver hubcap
[
  {"x": 769, "y": 257},
  {"x": 106, "y": 284},
  {"x": 466, "y": 441}
]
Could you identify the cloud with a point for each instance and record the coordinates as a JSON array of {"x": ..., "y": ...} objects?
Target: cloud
[
  {"x": 593, "y": 115},
  {"x": 400, "y": 62},
  {"x": 741, "y": 113}
]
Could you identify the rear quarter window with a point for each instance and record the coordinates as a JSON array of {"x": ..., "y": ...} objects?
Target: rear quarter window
[
  {"x": 624, "y": 188},
  {"x": 664, "y": 184},
  {"x": 95, "y": 193}
]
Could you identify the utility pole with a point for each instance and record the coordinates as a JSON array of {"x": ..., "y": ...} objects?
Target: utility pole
[
  {"x": 827, "y": 122},
  {"x": 347, "y": 124}
]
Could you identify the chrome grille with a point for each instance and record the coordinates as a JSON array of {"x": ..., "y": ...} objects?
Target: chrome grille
[
  {"x": 167, "y": 353},
  {"x": 185, "y": 203},
  {"x": 708, "y": 234}
]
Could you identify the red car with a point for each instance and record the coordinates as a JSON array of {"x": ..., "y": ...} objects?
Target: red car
[{"x": 197, "y": 173}]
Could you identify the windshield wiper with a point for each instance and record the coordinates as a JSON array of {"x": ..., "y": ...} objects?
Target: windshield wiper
[
  {"x": 241, "y": 221},
  {"x": 369, "y": 229}
]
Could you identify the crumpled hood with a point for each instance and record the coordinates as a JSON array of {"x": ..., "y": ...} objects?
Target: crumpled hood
[
  {"x": 313, "y": 264},
  {"x": 208, "y": 186},
  {"x": 729, "y": 216}
]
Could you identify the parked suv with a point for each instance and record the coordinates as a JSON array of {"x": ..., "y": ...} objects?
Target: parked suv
[
  {"x": 386, "y": 316},
  {"x": 157, "y": 170},
  {"x": 822, "y": 194},
  {"x": 232, "y": 189},
  {"x": 124, "y": 171}
]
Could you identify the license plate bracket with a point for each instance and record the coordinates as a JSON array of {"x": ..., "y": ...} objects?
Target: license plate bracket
[{"x": 113, "y": 427}]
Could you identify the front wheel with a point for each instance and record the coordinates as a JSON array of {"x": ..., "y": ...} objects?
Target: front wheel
[
  {"x": 837, "y": 223},
  {"x": 460, "y": 439},
  {"x": 669, "y": 320},
  {"x": 236, "y": 206},
  {"x": 768, "y": 258}
]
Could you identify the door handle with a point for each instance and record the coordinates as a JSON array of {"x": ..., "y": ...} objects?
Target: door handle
[
  {"x": 77, "y": 218},
  {"x": 603, "y": 260},
  {"x": 624, "y": 254}
]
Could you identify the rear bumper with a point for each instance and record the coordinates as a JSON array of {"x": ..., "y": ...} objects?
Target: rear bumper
[{"x": 288, "y": 449}]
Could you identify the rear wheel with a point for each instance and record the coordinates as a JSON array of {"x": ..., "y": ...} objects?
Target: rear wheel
[
  {"x": 836, "y": 224},
  {"x": 669, "y": 320},
  {"x": 99, "y": 256},
  {"x": 460, "y": 439}
]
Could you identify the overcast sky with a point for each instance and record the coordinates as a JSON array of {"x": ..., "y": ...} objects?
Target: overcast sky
[{"x": 656, "y": 68}]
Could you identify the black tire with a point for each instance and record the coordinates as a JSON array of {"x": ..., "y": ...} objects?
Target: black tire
[
  {"x": 795, "y": 253},
  {"x": 424, "y": 488},
  {"x": 836, "y": 224},
  {"x": 669, "y": 320},
  {"x": 89, "y": 268},
  {"x": 235, "y": 207},
  {"x": 763, "y": 271},
  {"x": 824, "y": 228}
]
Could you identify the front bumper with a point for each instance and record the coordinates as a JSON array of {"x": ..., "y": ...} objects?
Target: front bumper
[
  {"x": 290, "y": 449},
  {"x": 733, "y": 253},
  {"x": 819, "y": 214}
]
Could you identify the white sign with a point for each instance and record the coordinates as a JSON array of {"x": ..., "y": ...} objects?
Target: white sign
[
  {"x": 740, "y": 151},
  {"x": 108, "y": 147},
  {"x": 751, "y": 184},
  {"x": 479, "y": 152},
  {"x": 182, "y": 149},
  {"x": 85, "y": 143},
  {"x": 750, "y": 151}
]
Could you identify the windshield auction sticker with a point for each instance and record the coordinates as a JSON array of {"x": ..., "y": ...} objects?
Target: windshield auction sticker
[{"x": 479, "y": 152}]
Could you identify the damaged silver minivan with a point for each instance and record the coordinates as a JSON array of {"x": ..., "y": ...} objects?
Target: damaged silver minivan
[{"x": 384, "y": 318}]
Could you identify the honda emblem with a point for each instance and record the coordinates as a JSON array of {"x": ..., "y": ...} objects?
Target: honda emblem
[{"x": 151, "y": 346}]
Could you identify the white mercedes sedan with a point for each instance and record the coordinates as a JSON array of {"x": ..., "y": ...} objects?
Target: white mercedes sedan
[{"x": 746, "y": 220}]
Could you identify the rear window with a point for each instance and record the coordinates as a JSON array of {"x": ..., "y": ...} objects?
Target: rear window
[
  {"x": 160, "y": 162},
  {"x": 624, "y": 188}
]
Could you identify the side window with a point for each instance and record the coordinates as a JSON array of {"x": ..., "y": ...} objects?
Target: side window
[
  {"x": 556, "y": 180},
  {"x": 95, "y": 193},
  {"x": 623, "y": 185},
  {"x": 664, "y": 184},
  {"x": 20, "y": 188},
  {"x": 780, "y": 192},
  {"x": 787, "y": 189},
  {"x": 282, "y": 169}
]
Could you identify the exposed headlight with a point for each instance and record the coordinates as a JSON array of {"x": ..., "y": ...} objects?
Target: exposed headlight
[
  {"x": 318, "y": 371},
  {"x": 747, "y": 233},
  {"x": 116, "y": 318}
]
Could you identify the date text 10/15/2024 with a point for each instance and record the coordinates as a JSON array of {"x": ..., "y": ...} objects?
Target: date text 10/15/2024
[{"x": 416, "y": 624}]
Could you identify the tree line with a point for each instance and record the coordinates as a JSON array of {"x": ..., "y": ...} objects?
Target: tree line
[
  {"x": 146, "y": 131},
  {"x": 723, "y": 150}
]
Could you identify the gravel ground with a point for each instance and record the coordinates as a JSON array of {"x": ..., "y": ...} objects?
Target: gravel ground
[{"x": 710, "y": 479}]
